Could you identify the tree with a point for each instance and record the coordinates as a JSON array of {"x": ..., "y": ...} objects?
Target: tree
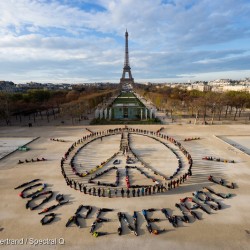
[
  {"x": 5, "y": 107},
  {"x": 72, "y": 95}
]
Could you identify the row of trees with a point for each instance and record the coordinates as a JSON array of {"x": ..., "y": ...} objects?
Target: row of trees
[
  {"x": 86, "y": 103},
  {"x": 47, "y": 103},
  {"x": 195, "y": 103}
]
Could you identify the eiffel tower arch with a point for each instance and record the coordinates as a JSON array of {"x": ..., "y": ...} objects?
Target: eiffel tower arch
[{"x": 126, "y": 68}]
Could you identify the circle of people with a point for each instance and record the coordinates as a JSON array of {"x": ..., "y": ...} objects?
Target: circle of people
[{"x": 131, "y": 190}]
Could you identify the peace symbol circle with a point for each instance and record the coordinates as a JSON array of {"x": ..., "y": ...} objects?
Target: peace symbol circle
[{"x": 127, "y": 170}]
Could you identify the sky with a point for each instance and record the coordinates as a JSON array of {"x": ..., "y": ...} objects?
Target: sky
[{"x": 78, "y": 41}]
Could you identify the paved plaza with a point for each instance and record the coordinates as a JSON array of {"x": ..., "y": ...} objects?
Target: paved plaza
[
  {"x": 228, "y": 228},
  {"x": 10, "y": 144}
]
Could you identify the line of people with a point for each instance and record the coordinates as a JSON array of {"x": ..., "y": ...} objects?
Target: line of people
[
  {"x": 184, "y": 151},
  {"x": 221, "y": 181},
  {"x": 32, "y": 160},
  {"x": 141, "y": 171},
  {"x": 90, "y": 131},
  {"x": 211, "y": 158},
  {"x": 159, "y": 130},
  {"x": 115, "y": 184},
  {"x": 192, "y": 139},
  {"x": 133, "y": 191},
  {"x": 155, "y": 188},
  {"x": 89, "y": 139},
  {"x": 142, "y": 161},
  {"x": 59, "y": 140}
]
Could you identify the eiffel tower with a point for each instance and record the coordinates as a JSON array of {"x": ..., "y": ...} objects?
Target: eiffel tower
[{"x": 126, "y": 68}]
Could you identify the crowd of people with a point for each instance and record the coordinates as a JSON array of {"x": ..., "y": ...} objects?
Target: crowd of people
[
  {"x": 173, "y": 219},
  {"x": 157, "y": 186},
  {"x": 133, "y": 228},
  {"x": 150, "y": 220},
  {"x": 35, "y": 201},
  {"x": 131, "y": 191},
  {"x": 204, "y": 197},
  {"x": 197, "y": 205},
  {"x": 99, "y": 220},
  {"x": 201, "y": 200},
  {"x": 75, "y": 219}
]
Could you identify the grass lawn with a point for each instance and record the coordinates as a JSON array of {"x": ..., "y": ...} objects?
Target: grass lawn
[{"x": 131, "y": 98}]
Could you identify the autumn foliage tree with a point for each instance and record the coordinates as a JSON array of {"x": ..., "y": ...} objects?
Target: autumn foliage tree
[
  {"x": 44, "y": 103},
  {"x": 208, "y": 105}
]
